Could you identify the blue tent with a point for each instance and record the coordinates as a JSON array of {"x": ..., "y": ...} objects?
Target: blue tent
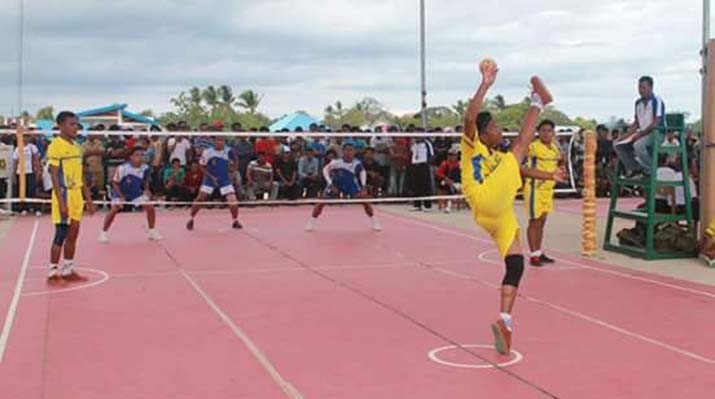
[{"x": 293, "y": 121}]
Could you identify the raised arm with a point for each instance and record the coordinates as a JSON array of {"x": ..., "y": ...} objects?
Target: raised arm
[{"x": 475, "y": 104}]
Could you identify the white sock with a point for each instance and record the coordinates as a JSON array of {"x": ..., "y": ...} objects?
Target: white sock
[
  {"x": 536, "y": 101},
  {"x": 506, "y": 317},
  {"x": 537, "y": 254},
  {"x": 67, "y": 267},
  {"x": 54, "y": 270}
]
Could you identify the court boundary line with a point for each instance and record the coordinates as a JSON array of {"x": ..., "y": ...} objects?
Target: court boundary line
[
  {"x": 624, "y": 275},
  {"x": 288, "y": 389},
  {"x": 12, "y": 309}
]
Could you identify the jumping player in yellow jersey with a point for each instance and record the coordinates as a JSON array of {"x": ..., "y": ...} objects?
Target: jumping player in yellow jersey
[
  {"x": 542, "y": 172},
  {"x": 68, "y": 199},
  {"x": 490, "y": 182}
]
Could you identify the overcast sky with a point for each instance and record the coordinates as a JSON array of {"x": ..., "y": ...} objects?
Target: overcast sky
[{"x": 306, "y": 54}]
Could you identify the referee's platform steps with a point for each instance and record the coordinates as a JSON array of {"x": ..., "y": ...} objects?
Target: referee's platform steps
[{"x": 659, "y": 233}]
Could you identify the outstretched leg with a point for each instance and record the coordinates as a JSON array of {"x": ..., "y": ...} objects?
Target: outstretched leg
[{"x": 540, "y": 97}]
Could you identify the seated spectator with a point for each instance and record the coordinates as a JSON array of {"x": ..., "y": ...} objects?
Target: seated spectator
[
  {"x": 94, "y": 151},
  {"x": 194, "y": 178},
  {"x": 671, "y": 140},
  {"x": 634, "y": 150},
  {"x": 449, "y": 177},
  {"x": 672, "y": 199},
  {"x": 375, "y": 180},
  {"x": 260, "y": 180},
  {"x": 309, "y": 174},
  {"x": 287, "y": 173},
  {"x": 174, "y": 181}
]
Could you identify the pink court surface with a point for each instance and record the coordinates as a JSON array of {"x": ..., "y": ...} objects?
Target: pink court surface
[{"x": 343, "y": 312}]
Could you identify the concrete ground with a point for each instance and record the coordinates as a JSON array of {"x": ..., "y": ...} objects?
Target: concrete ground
[{"x": 563, "y": 233}]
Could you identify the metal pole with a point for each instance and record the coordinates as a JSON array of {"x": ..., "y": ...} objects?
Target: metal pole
[
  {"x": 704, "y": 111},
  {"x": 20, "y": 61},
  {"x": 423, "y": 64}
]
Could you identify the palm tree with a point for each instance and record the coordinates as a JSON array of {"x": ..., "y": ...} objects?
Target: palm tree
[
  {"x": 226, "y": 96},
  {"x": 460, "y": 107},
  {"x": 499, "y": 102},
  {"x": 249, "y": 100},
  {"x": 195, "y": 96},
  {"x": 210, "y": 97}
]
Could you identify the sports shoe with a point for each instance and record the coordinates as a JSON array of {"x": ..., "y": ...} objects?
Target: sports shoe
[
  {"x": 536, "y": 261},
  {"x": 546, "y": 260},
  {"x": 154, "y": 235},
  {"x": 376, "y": 225},
  {"x": 38, "y": 214},
  {"x": 74, "y": 277},
  {"x": 541, "y": 91},
  {"x": 190, "y": 225},
  {"x": 310, "y": 226},
  {"x": 502, "y": 337},
  {"x": 103, "y": 237},
  {"x": 237, "y": 225}
]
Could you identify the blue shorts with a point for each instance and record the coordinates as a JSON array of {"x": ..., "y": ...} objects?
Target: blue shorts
[{"x": 351, "y": 192}]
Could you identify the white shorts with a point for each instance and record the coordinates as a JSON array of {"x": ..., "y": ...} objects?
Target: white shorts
[
  {"x": 225, "y": 190},
  {"x": 139, "y": 201}
]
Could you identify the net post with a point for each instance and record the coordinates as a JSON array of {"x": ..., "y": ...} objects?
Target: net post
[
  {"x": 21, "y": 180},
  {"x": 707, "y": 188},
  {"x": 588, "y": 237}
]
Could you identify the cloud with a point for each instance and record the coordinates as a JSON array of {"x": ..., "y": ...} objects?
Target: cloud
[{"x": 305, "y": 54}]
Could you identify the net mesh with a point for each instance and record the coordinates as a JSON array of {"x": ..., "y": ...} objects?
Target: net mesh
[{"x": 292, "y": 173}]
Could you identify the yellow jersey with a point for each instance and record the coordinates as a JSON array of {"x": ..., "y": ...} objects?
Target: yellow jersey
[
  {"x": 545, "y": 158},
  {"x": 67, "y": 156},
  {"x": 478, "y": 161}
]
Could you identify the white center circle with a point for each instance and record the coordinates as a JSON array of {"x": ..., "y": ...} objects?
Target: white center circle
[
  {"x": 434, "y": 356},
  {"x": 104, "y": 277}
]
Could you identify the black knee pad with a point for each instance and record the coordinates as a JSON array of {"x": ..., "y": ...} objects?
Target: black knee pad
[
  {"x": 61, "y": 233},
  {"x": 514, "y": 270}
]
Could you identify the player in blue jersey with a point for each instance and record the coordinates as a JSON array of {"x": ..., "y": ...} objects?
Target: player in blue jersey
[
  {"x": 130, "y": 186},
  {"x": 346, "y": 177},
  {"x": 215, "y": 162}
]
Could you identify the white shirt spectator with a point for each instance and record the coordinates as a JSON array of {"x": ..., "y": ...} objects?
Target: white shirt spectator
[
  {"x": 422, "y": 152},
  {"x": 46, "y": 177},
  {"x": 381, "y": 144},
  {"x": 649, "y": 109},
  {"x": 666, "y": 174},
  {"x": 30, "y": 151},
  {"x": 180, "y": 148}
]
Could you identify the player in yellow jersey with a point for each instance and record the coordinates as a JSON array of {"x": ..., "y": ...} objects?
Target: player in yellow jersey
[
  {"x": 542, "y": 172},
  {"x": 68, "y": 199},
  {"x": 490, "y": 182}
]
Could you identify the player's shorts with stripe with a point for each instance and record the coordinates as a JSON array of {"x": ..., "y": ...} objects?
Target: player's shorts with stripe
[
  {"x": 539, "y": 200},
  {"x": 492, "y": 202},
  {"x": 75, "y": 206}
]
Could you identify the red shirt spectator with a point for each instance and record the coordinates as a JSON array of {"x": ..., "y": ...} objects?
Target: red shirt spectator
[
  {"x": 194, "y": 177},
  {"x": 267, "y": 146},
  {"x": 449, "y": 169}
]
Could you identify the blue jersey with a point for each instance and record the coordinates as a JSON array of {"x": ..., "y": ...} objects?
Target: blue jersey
[
  {"x": 347, "y": 177},
  {"x": 131, "y": 180},
  {"x": 217, "y": 164}
]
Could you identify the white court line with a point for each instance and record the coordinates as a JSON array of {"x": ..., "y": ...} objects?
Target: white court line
[
  {"x": 433, "y": 356},
  {"x": 582, "y": 316},
  {"x": 12, "y": 309},
  {"x": 104, "y": 279},
  {"x": 595, "y": 269},
  {"x": 286, "y": 386}
]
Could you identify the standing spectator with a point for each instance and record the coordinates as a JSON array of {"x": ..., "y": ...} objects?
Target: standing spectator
[
  {"x": 399, "y": 159},
  {"x": 236, "y": 179},
  {"x": 419, "y": 173},
  {"x": 260, "y": 178},
  {"x": 174, "y": 180},
  {"x": 31, "y": 169},
  {"x": 634, "y": 149},
  {"x": 309, "y": 173},
  {"x": 449, "y": 177},
  {"x": 375, "y": 180},
  {"x": 93, "y": 150},
  {"x": 156, "y": 162},
  {"x": 115, "y": 151},
  {"x": 244, "y": 152},
  {"x": 287, "y": 171},
  {"x": 179, "y": 148},
  {"x": 382, "y": 144}
]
